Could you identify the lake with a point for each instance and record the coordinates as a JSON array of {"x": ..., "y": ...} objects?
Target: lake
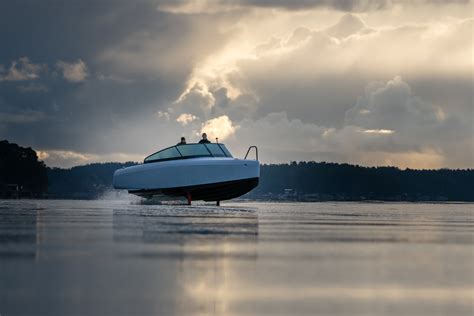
[{"x": 125, "y": 258}]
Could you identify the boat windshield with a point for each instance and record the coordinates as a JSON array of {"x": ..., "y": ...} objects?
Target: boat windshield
[
  {"x": 165, "y": 154},
  {"x": 225, "y": 150},
  {"x": 216, "y": 150},
  {"x": 193, "y": 150},
  {"x": 189, "y": 151}
]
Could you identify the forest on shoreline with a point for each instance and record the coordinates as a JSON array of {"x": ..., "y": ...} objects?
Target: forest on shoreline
[{"x": 23, "y": 175}]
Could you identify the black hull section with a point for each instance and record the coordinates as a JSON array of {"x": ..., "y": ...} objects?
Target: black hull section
[{"x": 207, "y": 192}]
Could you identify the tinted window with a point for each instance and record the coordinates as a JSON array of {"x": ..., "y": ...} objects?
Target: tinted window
[
  {"x": 227, "y": 152},
  {"x": 169, "y": 153},
  {"x": 193, "y": 150},
  {"x": 215, "y": 150}
]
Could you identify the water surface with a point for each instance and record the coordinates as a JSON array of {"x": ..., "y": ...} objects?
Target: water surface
[{"x": 121, "y": 258}]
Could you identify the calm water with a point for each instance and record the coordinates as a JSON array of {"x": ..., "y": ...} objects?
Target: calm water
[{"x": 120, "y": 258}]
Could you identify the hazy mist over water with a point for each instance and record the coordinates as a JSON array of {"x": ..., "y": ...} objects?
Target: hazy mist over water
[{"x": 123, "y": 258}]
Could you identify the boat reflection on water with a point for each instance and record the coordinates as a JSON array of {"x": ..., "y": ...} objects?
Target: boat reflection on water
[
  {"x": 202, "y": 247},
  {"x": 185, "y": 224},
  {"x": 88, "y": 258}
]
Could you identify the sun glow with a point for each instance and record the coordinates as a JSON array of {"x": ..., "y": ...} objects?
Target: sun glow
[
  {"x": 220, "y": 127},
  {"x": 379, "y": 131}
]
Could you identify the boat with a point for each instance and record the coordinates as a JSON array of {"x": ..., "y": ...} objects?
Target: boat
[{"x": 205, "y": 172}]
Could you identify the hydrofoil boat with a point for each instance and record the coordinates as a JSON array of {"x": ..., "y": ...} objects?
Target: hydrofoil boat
[{"x": 194, "y": 171}]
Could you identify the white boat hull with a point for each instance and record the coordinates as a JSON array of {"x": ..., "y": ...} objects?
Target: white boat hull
[{"x": 209, "y": 179}]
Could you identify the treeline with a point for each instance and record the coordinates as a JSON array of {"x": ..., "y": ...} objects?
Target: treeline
[
  {"x": 82, "y": 182},
  {"x": 332, "y": 181},
  {"x": 21, "y": 174},
  {"x": 303, "y": 181}
]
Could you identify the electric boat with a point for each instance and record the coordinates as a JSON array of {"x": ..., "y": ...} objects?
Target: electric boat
[{"x": 194, "y": 171}]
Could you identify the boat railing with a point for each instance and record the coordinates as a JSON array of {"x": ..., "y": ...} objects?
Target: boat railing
[{"x": 256, "y": 152}]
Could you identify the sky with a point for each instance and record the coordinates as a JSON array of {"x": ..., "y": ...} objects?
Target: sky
[{"x": 369, "y": 82}]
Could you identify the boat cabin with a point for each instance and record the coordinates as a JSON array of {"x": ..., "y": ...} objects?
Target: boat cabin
[{"x": 187, "y": 151}]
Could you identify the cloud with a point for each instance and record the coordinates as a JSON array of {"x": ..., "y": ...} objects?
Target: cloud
[
  {"x": 21, "y": 70},
  {"x": 391, "y": 106},
  {"x": 168, "y": 45},
  {"x": 299, "y": 95},
  {"x": 212, "y": 7},
  {"x": 68, "y": 159},
  {"x": 163, "y": 114},
  {"x": 73, "y": 72},
  {"x": 279, "y": 138},
  {"x": 349, "y": 24},
  {"x": 379, "y": 131},
  {"x": 344, "y": 5},
  {"x": 196, "y": 100},
  {"x": 220, "y": 127},
  {"x": 414, "y": 124},
  {"x": 186, "y": 118},
  {"x": 316, "y": 74},
  {"x": 388, "y": 125}
]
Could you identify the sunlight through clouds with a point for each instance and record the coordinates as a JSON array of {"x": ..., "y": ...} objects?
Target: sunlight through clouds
[
  {"x": 220, "y": 127},
  {"x": 368, "y": 82}
]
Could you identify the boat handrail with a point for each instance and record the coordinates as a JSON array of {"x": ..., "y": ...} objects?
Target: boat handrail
[{"x": 256, "y": 152}]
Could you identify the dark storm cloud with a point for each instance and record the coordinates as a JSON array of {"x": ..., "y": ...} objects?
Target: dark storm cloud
[
  {"x": 190, "y": 6},
  {"x": 97, "y": 65},
  {"x": 46, "y": 30}
]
